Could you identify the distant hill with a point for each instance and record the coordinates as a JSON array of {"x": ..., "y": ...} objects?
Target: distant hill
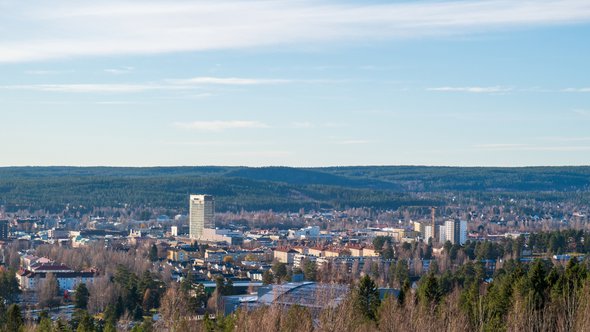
[
  {"x": 277, "y": 188},
  {"x": 319, "y": 176}
]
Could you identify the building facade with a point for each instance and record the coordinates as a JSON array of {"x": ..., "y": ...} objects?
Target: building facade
[
  {"x": 30, "y": 281},
  {"x": 201, "y": 214},
  {"x": 456, "y": 231},
  {"x": 4, "y": 230}
]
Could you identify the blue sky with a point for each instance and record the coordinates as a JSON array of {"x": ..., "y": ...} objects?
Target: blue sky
[{"x": 297, "y": 83}]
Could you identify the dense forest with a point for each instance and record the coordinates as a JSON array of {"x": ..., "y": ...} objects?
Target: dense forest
[{"x": 276, "y": 188}]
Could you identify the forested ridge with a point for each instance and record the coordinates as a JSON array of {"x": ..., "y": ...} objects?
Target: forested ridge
[{"x": 277, "y": 188}]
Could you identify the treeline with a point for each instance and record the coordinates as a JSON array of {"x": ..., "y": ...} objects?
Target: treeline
[
  {"x": 495, "y": 179},
  {"x": 402, "y": 178},
  {"x": 83, "y": 194},
  {"x": 276, "y": 188},
  {"x": 535, "y": 297},
  {"x": 522, "y": 297}
]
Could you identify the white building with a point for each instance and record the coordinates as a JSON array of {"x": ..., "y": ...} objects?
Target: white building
[
  {"x": 456, "y": 231},
  {"x": 201, "y": 214},
  {"x": 215, "y": 236},
  {"x": 311, "y": 232},
  {"x": 442, "y": 233},
  {"x": 66, "y": 278},
  {"x": 299, "y": 258},
  {"x": 428, "y": 234}
]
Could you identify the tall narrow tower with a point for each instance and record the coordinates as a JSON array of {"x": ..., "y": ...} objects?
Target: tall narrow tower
[
  {"x": 432, "y": 212},
  {"x": 201, "y": 214}
]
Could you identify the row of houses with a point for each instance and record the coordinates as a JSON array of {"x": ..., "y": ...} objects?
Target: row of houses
[
  {"x": 288, "y": 255},
  {"x": 35, "y": 270},
  {"x": 31, "y": 281}
]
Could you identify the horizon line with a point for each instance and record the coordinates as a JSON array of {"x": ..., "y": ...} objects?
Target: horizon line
[{"x": 291, "y": 166}]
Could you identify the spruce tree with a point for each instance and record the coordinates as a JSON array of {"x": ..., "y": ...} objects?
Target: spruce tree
[{"x": 366, "y": 298}]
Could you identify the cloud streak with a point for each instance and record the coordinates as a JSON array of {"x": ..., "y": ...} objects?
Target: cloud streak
[
  {"x": 531, "y": 148},
  {"x": 576, "y": 90},
  {"x": 69, "y": 28},
  {"x": 213, "y": 126},
  {"x": 168, "y": 84},
  {"x": 227, "y": 81},
  {"x": 119, "y": 71},
  {"x": 354, "y": 142},
  {"x": 91, "y": 88},
  {"x": 472, "y": 89}
]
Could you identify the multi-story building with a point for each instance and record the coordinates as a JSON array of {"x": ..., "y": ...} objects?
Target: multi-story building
[
  {"x": 316, "y": 251},
  {"x": 4, "y": 230},
  {"x": 201, "y": 214},
  {"x": 456, "y": 231},
  {"x": 395, "y": 233},
  {"x": 355, "y": 250},
  {"x": 181, "y": 254},
  {"x": 419, "y": 227},
  {"x": 299, "y": 258},
  {"x": 285, "y": 255},
  {"x": 29, "y": 280},
  {"x": 370, "y": 252},
  {"x": 429, "y": 233},
  {"x": 220, "y": 236},
  {"x": 333, "y": 252},
  {"x": 442, "y": 233},
  {"x": 311, "y": 232}
]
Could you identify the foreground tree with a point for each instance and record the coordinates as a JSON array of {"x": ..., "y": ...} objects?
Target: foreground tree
[
  {"x": 174, "y": 310},
  {"x": 49, "y": 291},
  {"x": 14, "y": 319},
  {"x": 8, "y": 286},
  {"x": 82, "y": 295},
  {"x": 366, "y": 298},
  {"x": 153, "y": 253}
]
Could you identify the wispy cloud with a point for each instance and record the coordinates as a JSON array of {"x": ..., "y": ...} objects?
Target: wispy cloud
[
  {"x": 118, "y": 102},
  {"x": 69, "y": 29},
  {"x": 222, "y": 143},
  {"x": 353, "y": 142},
  {"x": 310, "y": 125},
  {"x": 91, "y": 88},
  {"x": 303, "y": 125},
  {"x": 531, "y": 147},
  {"x": 167, "y": 84},
  {"x": 227, "y": 81},
  {"x": 472, "y": 89},
  {"x": 581, "y": 112},
  {"x": 335, "y": 125},
  {"x": 494, "y": 146},
  {"x": 42, "y": 72},
  {"x": 565, "y": 139},
  {"x": 259, "y": 154},
  {"x": 119, "y": 71},
  {"x": 220, "y": 125},
  {"x": 576, "y": 90}
]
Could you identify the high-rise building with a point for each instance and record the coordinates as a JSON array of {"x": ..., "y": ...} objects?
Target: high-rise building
[
  {"x": 431, "y": 236},
  {"x": 419, "y": 227},
  {"x": 456, "y": 231},
  {"x": 463, "y": 232},
  {"x": 428, "y": 233},
  {"x": 442, "y": 233},
  {"x": 4, "y": 230},
  {"x": 201, "y": 214}
]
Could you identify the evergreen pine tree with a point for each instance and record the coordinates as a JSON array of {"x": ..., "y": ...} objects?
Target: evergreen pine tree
[{"x": 366, "y": 298}]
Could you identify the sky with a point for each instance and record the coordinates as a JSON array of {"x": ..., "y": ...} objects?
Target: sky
[{"x": 294, "y": 83}]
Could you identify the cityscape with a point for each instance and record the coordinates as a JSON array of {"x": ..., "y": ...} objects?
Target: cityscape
[{"x": 294, "y": 165}]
